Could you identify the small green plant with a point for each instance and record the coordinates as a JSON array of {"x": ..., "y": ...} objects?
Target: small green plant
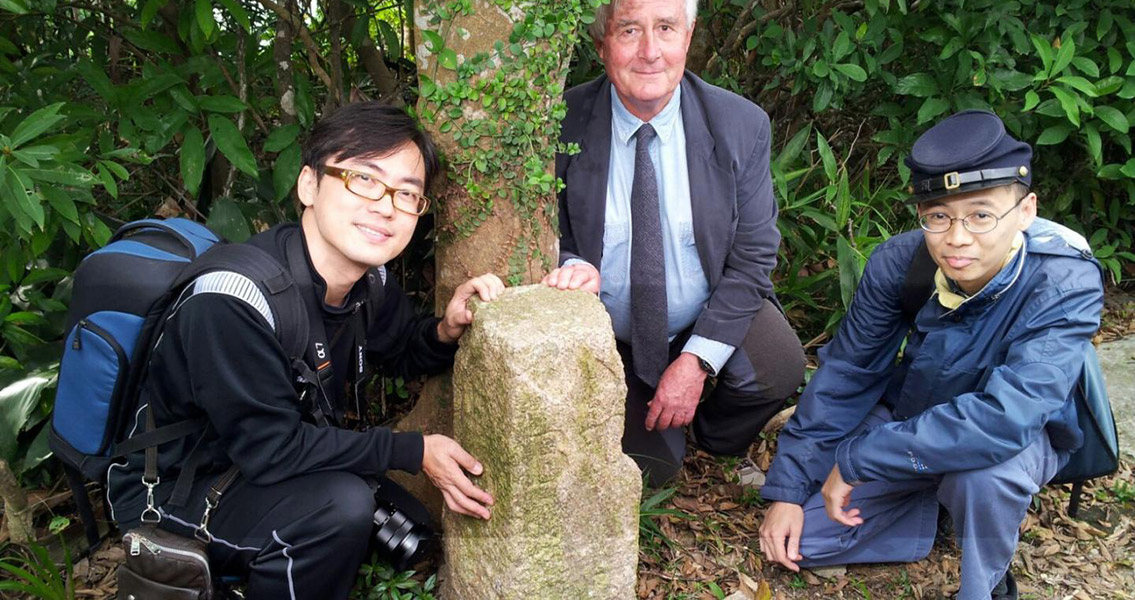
[
  {"x": 36, "y": 574},
  {"x": 1123, "y": 491},
  {"x": 861, "y": 588},
  {"x": 751, "y": 498},
  {"x": 378, "y": 580},
  {"x": 797, "y": 582},
  {"x": 650, "y": 534}
]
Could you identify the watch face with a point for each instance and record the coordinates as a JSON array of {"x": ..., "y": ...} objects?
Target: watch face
[{"x": 705, "y": 366}]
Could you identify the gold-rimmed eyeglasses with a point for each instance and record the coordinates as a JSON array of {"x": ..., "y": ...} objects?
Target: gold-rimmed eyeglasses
[
  {"x": 367, "y": 186},
  {"x": 977, "y": 222}
]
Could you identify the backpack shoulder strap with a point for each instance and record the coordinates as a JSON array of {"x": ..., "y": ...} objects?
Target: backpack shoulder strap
[
  {"x": 254, "y": 276},
  {"x": 918, "y": 283}
]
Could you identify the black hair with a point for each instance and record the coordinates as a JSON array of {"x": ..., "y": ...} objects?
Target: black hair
[
  {"x": 367, "y": 130},
  {"x": 1019, "y": 189}
]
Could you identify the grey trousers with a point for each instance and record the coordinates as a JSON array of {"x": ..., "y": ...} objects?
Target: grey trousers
[
  {"x": 751, "y": 387},
  {"x": 900, "y": 518}
]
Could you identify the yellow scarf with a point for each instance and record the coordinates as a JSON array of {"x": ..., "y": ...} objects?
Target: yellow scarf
[{"x": 951, "y": 299}]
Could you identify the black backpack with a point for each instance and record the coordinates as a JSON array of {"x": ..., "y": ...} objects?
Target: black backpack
[
  {"x": 123, "y": 294},
  {"x": 1099, "y": 456}
]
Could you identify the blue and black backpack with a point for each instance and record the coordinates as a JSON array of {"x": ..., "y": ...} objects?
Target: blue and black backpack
[{"x": 123, "y": 294}]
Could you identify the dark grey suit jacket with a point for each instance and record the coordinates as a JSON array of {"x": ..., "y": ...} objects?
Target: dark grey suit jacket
[{"x": 734, "y": 212}]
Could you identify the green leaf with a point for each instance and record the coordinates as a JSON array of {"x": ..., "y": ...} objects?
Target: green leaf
[
  {"x": 118, "y": 170},
  {"x": 17, "y": 403},
  {"x": 1114, "y": 60},
  {"x": 1064, "y": 55},
  {"x": 1031, "y": 100},
  {"x": 63, "y": 174},
  {"x": 221, "y": 104},
  {"x": 448, "y": 59},
  {"x": 36, "y": 123},
  {"x": 951, "y": 48},
  {"x": 226, "y": 219},
  {"x": 238, "y": 13},
  {"x": 1044, "y": 51},
  {"x": 107, "y": 180},
  {"x": 203, "y": 9},
  {"x": 1095, "y": 143},
  {"x": 183, "y": 98},
  {"x": 281, "y": 137},
  {"x": 231, "y": 143},
  {"x": 1086, "y": 66},
  {"x": 1068, "y": 103},
  {"x": 792, "y": 149},
  {"x": 855, "y": 72},
  {"x": 286, "y": 170},
  {"x": 841, "y": 46},
  {"x": 192, "y": 159},
  {"x": 62, "y": 203},
  {"x": 151, "y": 40},
  {"x": 18, "y": 7},
  {"x": 27, "y": 203},
  {"x": 1109, "y": 85},
  {"x": 434, "y": 42},
  {"x": 1085, "y": 86},
  {"x": 821, "y": 69},
  {"x": 848, "y": 261},
  {"x": 827, "y": 156},
  {"x": 1113, "y": 117},
  {"x": 921, "y": 85},
  {"x": 97, "y": 79},
  {"x": 1053, "y": 135},
  {"x": 931, "y": 108},
  {"x": 1128, "y": 169},
  {"x": 842, "y": 201},
  {"x": 150, "y": 10}
]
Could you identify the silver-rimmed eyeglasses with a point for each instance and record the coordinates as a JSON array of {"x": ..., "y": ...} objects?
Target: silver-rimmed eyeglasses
[
  {"x": 977, "y": 222},
  {"x": 367, "y": 186}
]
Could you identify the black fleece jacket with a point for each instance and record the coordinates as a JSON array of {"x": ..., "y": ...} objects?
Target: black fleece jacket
[{"x": 218, "y": 357}]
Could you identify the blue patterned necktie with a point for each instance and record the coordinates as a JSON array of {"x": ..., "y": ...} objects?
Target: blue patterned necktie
[{"x": 649, "y": 345}]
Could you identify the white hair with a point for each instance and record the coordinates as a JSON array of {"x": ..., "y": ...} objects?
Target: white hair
[{"x": 603, "y": 12}]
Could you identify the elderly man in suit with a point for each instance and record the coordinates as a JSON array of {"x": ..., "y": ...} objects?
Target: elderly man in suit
[{"x": 668, "y": 214}]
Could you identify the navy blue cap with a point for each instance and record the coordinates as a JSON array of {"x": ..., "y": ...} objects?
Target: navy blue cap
[{"x": 964, "y": 152}]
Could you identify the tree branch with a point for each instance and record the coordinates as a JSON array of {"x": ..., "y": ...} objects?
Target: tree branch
[{"x": 305, "y": 36}]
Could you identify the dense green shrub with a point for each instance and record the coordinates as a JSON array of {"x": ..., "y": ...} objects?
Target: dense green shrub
[{"x": 850, "y": 85}]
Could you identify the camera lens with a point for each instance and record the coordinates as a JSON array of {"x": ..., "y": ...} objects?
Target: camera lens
[{"x": 399, "y": 539}]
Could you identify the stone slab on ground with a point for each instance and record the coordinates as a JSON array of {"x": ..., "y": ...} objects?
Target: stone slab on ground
[
  {"x": 539, "y": 399},
  {"x": 1118, "y": 361}
]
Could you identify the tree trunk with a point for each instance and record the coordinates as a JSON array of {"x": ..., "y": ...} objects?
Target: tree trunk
[
  {"x": 21, "y": 530},
  {"x": 493, "y": 105}
]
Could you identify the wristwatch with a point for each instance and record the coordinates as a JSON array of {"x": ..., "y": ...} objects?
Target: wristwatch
[{"x": 705, "y": 366}]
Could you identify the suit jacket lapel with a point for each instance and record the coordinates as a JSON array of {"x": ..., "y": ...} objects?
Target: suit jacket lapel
[
  {"x": 586, "y": 180},
  {"x": 711, "y": 196}
]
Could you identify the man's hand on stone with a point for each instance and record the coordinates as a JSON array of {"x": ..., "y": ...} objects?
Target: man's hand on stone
[
  {"x": 578, "y": 276},
  {"x": 837, "y": 496},
  {"x": 445, "y": 462},
  {"x": 780, "y": 534},
  {"x": 457, "y": 314},
  {"x": 676, "y": 398}
]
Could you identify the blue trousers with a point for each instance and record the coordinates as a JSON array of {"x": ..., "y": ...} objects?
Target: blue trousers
[{"x": 900, "y": 518}]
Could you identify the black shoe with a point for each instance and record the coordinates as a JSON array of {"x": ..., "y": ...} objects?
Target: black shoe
[{"x": 1006, "y": 589}]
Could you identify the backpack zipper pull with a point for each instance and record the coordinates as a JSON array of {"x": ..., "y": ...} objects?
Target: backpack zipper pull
[
  {"x": 152, "y": 547},
  {"x": 77, "y": 345},
  {"x": 135, "y": 545}
]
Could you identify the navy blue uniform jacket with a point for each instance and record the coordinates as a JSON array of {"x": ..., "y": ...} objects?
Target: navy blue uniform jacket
[{"x": 975, "y": 386}]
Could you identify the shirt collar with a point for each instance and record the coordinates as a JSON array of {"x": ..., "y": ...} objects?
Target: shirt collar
[{"x": 626, "y": 124}]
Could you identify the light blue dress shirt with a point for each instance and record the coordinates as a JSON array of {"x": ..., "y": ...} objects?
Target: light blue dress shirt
[{"x": 687, "y": 289}]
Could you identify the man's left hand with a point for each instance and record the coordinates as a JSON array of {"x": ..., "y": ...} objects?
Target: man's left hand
[
  {"x": 457, "y": 317},
  {"x": 837, "y": 497},
  {"x": 676, "y": 398}
]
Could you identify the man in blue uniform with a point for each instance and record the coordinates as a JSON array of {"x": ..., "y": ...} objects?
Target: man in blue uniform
[{"x": 978, "y": 414}]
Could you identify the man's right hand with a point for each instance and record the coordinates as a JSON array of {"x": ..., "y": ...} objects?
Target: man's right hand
[
  {"x": 780, "y": 534},
  {"x": 577, "y": 276},
  {"x": 445, "y": 462}
]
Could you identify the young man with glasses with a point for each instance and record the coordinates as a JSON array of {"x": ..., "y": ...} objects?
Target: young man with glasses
[
  {"x": 298, "y": 520},
  {"x": 975, "y": 412}
]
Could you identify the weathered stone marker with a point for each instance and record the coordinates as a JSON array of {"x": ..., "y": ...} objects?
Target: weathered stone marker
[{"x": 538, "y": 399}]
